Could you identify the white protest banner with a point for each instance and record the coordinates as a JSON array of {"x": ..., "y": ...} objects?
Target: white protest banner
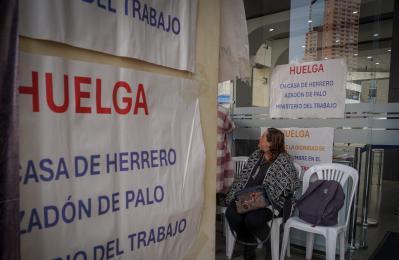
[
  {"x": 309, "y": 90},
  {"x": 112, "y": 162},
  {"x": 309, "y": 146},
  {"x": 160, "y": 32}
]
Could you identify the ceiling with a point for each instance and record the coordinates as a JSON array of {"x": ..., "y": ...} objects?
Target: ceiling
[{"x": 258, "y": 8}]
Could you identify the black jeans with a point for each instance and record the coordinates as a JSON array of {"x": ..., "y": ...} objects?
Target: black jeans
[{"x": 249, "y": 226}]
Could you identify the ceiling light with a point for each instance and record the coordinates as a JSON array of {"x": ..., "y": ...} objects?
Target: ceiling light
[
  {"x": 355, "y": 54},
  {"x": 271, "y": 29},
  {"x": 355, "y": 12},
  {"x": 325, "y": 58},
  {"x": 376, "y": 35},
  {"x": 309, "y": 21},
  {"x": 337, "y": 40},
  {"x": 377, "y": 63},
  {"x": 369, "y": 57},
  {"x": 389, "y": 50}
]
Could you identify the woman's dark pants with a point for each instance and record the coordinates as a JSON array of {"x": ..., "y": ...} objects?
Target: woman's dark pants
[{"x": 249, "y": 226}]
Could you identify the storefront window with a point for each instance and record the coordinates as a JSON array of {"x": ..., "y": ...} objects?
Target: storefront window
[{"x": 359, "y": 31}]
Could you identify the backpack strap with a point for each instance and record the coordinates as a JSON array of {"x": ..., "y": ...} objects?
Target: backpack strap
[
  {"x": 309, "y": 191},
  {"x": 288, "y": 208}
]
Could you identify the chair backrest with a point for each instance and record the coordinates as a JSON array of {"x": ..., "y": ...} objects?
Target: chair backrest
[
  {"x": 239, "y": 162},
  {"x": 337, "y": 172},
  {"x": 298, "y": 169}
]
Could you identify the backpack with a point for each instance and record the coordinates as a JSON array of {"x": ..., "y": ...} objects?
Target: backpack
[{"x": 320, "y": 204}]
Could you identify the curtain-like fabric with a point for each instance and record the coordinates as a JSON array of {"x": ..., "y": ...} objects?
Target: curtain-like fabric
[
  {"x": 9, "y": 176},
  {"x": 225, "y": 166},
  {"x": 234, "y": 47}
]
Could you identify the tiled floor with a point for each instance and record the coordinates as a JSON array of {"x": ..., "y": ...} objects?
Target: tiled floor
[{"x": 387, "y": 221}]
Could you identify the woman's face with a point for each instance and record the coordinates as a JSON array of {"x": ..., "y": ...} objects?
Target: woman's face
[{"x": 264, "y": 145}]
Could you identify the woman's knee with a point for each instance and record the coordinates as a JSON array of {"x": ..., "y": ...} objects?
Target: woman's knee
[{"x": 232, "y": 216}]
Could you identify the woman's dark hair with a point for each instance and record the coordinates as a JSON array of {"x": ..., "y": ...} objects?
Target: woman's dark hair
[{"x": 276, "y": 139}]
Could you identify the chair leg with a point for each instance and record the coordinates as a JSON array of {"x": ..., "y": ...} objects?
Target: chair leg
[
  {"x": 331, "y": 244},
  {"x": 275, "y": 239},
  {"x": 309, "y": 245},
  {"x": 285, "y": 242},
  {"x": 342, "y": 246},
  {"x": 259, "y": 244},
  {"x": 230, "y": 240}
]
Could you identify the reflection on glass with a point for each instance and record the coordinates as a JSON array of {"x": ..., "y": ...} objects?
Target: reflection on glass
[
  {"x": 359, "y": 31},
  {"x": 306, "y": 20},
  {"x": 337, "y": 35}
]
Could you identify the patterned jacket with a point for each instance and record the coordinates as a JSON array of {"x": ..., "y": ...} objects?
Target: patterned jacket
[{"x": 281, "y": 179}]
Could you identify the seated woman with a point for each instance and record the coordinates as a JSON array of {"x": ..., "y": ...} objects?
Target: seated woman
[{"x": 273, "y": 168}]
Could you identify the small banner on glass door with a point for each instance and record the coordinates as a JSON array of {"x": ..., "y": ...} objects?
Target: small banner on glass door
[{"x": 309, "y": 146}]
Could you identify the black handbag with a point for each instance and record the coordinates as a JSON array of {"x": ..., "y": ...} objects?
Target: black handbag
[{"x": 250, "y": 199}]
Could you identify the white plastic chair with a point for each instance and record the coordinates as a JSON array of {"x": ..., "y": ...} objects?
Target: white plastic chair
[
  {"x": 274, "y": 232},
  {"x": 328, "y": 171},
  {"x": 274, "y": 238},
  {"x": 299, "y": 171},
  {"x": 239, "y": 162}
]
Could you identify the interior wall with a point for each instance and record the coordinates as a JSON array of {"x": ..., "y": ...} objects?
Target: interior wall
[
  {"x": 9, "y": 157},
  {"x": 261, "y": 87},
  {"x": 207, "y": 69},
  {"x": 280, "y": 52},
  {"x": 394, "y": 75},
  {"x": 243, "y": 93},
  {"x": 207, "y": 58}
]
